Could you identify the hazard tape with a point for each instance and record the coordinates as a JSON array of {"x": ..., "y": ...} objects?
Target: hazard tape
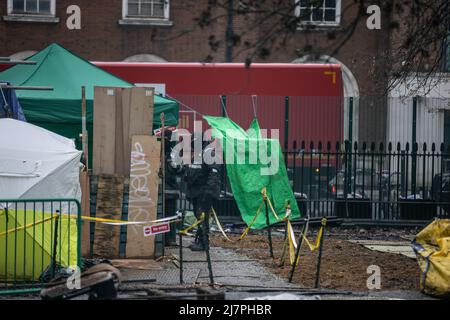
[
  {"x": 266, "y": 198},
  {"x": 314, "y": 247},
  {"x": 28, "y": 226},
  {"x": 219, "y": 225},
  {"x": 185, "y": 231},
  {"x": 112, "y": 222},
  {"x": 253, "y": 222}
]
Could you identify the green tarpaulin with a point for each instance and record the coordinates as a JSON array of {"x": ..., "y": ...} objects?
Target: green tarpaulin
[
  {"x": 60, "y": 110},
  {"x": 253, "y": 172}
]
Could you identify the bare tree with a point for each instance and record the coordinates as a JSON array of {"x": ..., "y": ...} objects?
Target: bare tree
[{"x": 415, "y": 32}]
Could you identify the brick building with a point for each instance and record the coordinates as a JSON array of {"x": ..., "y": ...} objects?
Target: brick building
[{"x": 163, "y": 30}]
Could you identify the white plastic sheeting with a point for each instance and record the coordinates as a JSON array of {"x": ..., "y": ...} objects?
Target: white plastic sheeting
[{"x": 36, "y": 163}]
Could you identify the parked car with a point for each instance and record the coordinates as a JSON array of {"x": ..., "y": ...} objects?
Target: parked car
[{"x": 440, "y": 191}]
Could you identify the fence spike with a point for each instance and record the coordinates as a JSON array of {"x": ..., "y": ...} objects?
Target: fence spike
[
  {"x": 303, "y": 145},
  {"x": 348, "y": 147},
  {"x": 399, "y": 147},
  {"x": 372, "y": 146},
  {"x": 338, "y": 146},
  {"x": 381, "y": 146},
  {"x": 320, "y": 145},
  {"x": 311, "y": 145},
  {"x": 442, "y": 147},
  {"x": 328, "y": 146},
  {"x": 424, "y": 148},
  {"x": 294, "y": 145},
  {"x": 390, "y": 146},
  {"x": 433, "y": 147},
  {"x": 364, "y": 146},
  {"x": 407, "y": 147},
  {"x": 355, "y": 146}
]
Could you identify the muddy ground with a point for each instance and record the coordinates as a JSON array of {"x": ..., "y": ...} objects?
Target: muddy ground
[{"x": 344, "y": 264}]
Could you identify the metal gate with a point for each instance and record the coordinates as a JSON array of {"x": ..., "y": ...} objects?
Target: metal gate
[{"x": 38, "y": 238}]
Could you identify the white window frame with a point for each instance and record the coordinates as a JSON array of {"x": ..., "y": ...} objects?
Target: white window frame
[
  {"x": 335, "y": 23},
  {"x": 52, "y": 10},
  {"x": 166, "y": 12}
]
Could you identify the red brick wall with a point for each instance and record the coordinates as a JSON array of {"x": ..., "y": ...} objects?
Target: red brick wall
[{"x": 102, "y": 38}]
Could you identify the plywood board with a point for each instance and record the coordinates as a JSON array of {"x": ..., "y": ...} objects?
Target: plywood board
[
  {"x": 109, "y": 206},
  {"x": 119, "y": 141},
  {"x": 104, "y": 147},
  {"x": 139, "y": 102},
  {"x": 119, "y": 114},
  {"x": 143, "y": 197}
]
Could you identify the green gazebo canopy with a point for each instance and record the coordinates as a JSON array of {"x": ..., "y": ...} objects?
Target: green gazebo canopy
[{"x": 60, "y": 110}]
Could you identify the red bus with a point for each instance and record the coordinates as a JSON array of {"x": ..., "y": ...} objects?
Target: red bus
[{"x": 303, "y": 101}]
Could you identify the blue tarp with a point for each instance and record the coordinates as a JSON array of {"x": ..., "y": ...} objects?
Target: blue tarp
[{"x": 9, "y": 105}]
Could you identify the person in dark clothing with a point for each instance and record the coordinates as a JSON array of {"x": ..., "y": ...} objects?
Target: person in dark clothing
[
  {"x": 172, "y": 169},
  {"x": 203, "y": 185}
]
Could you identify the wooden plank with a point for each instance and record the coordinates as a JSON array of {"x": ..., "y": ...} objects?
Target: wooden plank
[
  {"x": 104, "y": 130},
  {"x": 138, "y": 108},
  {"x": 85, "y": 211},
  {"x": 143, "y": 198},
  {"x": 126, "y": 139},
  {"x": 119, "y": 142},
  {"x": 119, "y": 114},
  {"x": 141, "y": 111},
  {"x": 109, "y": 206}
]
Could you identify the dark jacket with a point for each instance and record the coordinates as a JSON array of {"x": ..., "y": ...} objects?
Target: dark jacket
[{"x": 202, "y": 179}]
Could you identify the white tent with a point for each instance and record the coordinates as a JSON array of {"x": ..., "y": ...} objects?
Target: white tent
[{"x": 36, "y": 163}]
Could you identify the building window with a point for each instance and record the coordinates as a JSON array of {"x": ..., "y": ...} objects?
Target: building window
[
  {"x": 145, "y": 13},
  {"x": 153, "y": 9},
  {"x": 318, "y": 12},
  {"x": 31, "y": 7}
]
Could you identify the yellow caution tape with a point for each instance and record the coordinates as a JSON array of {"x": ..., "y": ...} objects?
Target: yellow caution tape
[
  {"x": 266, "y": 198},
  {"x": 202, "y": 218},
  {"x": 314, "y": 247},
  {"x": 123, "y": 222},
  {"x": 219, "y": 225},
  {"x": 28, "y": 225},
  {"x": 172, "y": 219},
  {"x": 251, "y": 223},
  {"x": 292, "y": 244}
]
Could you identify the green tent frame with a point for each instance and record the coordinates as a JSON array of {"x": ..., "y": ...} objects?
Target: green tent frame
[{"x": 60, "y": 110}]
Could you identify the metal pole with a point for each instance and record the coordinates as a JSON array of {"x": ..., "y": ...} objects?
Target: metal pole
[
  {"x": 269, "y": 229},
  {"x": 286, "y": 124},
  {"x": 14, "y": 62},
  {"x": 223, "y": 105},
  {"x": 350, "y": 119},
  {"x": 319, "y": 257},
  {"x": 224, "y": 114},
  {"x": 5, "y": 86},
  {"x": 350, "y": 139},
  {"x": 55, "y": 244},
  {"x": 163, "y": 173},
  {"x": 414, "y": 151},
  {"x": 206, "y": 242},
  {"x": 297, "y": 253},
  {"x": 83, "y": 126},
  {"x": 180, "y": 235}
]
